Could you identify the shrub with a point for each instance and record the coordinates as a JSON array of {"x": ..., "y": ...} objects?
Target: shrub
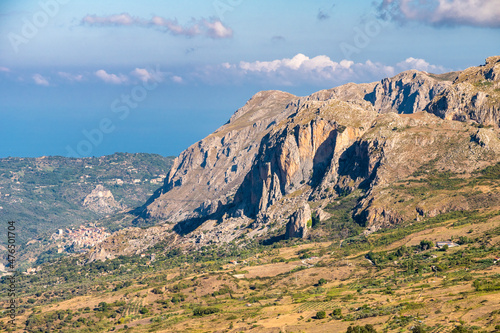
[
  {"x": 486, "y": 285},
  {"x": 418, "y": 329},
  {"x": 157, "y": 291}
]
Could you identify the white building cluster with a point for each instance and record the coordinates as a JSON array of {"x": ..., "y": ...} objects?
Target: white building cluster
[{"x": 84, "y": 236}]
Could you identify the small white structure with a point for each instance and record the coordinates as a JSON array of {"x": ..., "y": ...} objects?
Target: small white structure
[{"x": 450, "y": 244}]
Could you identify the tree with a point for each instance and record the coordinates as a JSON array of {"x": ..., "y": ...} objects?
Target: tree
[
  {"x": 337, "y": 313},
  {"x": 103, "y": 306},
  {"x": 322, "y": 282},
  {"x": 461, "y": 329},
  {"x": 426, "y": 244},
  {"x": 320, "y": 315},
  {"x": 418, "y": 329}
]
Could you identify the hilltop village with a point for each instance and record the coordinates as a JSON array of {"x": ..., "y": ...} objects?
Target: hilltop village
[{"x": 81, "y": 237}]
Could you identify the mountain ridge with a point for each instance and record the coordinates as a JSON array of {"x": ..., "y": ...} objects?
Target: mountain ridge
[{"x": 280, "y": 151}]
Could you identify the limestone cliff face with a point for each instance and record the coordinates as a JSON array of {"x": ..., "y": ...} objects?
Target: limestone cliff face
[
  {"x": 408, "y": 92},
  {"x": 280, "y": 151},
  {"x": 474, "y": 95},
  {"x": 206, "y": 175},
  {"x": 288, "y": 158}
]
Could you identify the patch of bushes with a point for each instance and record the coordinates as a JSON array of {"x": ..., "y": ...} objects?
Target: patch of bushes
[
  {"x": 203, "y": 311},
  {"x": 361, "y": 329}
]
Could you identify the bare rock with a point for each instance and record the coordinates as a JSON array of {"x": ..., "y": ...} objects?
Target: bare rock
[
  {"x": 322, "y": 215},
  {"x": 474, "y": 95},
  {"x": 101, "y": 201},
  {"x": 280, "y": 151},
  {"x": 206, "y": 176},
  {"x": 299, "y": 222}
]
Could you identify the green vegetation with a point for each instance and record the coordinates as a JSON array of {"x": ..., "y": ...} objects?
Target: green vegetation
[
  {"x": 205, "y": 311},
  {"x": 361, "y": 329},
  {"x": 320, "y": 315},
  {"x": 45, "y": 194}
]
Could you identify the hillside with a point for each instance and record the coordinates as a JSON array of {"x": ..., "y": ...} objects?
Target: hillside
[
  {"x": 394, "y": 280},
  {"x": 48, "y": 193}
]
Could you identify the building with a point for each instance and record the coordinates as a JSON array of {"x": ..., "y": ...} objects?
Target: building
[{"x": 450, "y": 244}]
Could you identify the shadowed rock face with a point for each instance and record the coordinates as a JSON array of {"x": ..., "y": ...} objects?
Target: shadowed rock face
[
  {"x": 474, "y": 95},
  {"x": 287, "y": 159},
  {"x": 280, "y": 151},
  {"x": 298, "y": 224}
]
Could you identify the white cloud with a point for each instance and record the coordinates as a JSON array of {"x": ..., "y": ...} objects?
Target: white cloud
[
  {"x": 177, "y": 79},
  {"x": 120, "y": 19},
  {"x": 419, "y": 64},
  {"x": 482, "y": 13},
  {"x": 40, "y": 80},
  {"x": 4, "y": 69},
  {"x": 212, "y": 28},
  {"x": 111, "y": 78},
  {"x": 143, "y": 74},
  {"x": 320, "y": 70},
  {"x": 71, "y": 77},
  {"x": 146, "y": 75},
  {"x": 299, "y": 62},
  {"x": 215, "y": 29}
]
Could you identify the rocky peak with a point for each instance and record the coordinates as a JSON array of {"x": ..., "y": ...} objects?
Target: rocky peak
[
  {"x": 206, "y": 176},
  {"x": 473, "y": 96},
  {"x": 101, "y": 201},
  {"x": 261, "y": 105},
  {"x": 407, "y": 92}
]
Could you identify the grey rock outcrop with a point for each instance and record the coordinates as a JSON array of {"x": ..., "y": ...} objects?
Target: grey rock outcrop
[
  {"x": 299, "y": 222},
  {"x": 408, "y": 92},
  {"x": 322, "y": 215},
  {"x": 101, "y": 201},
  {"x": 474, "y": 95}
]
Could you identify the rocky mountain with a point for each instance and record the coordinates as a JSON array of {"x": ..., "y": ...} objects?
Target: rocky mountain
[
  {"x": 473, "y": 95},
  {"x": 389, "y": 140}
]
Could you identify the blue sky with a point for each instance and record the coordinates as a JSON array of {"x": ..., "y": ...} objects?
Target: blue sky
[{"x": 83, "y": 78}]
